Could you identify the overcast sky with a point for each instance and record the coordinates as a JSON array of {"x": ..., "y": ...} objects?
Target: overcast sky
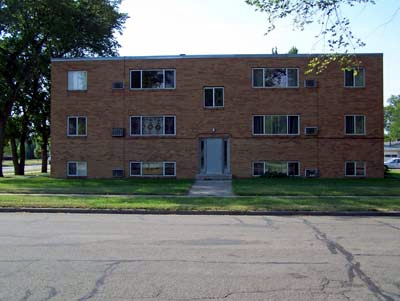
[{"x": 170, "y": 27}]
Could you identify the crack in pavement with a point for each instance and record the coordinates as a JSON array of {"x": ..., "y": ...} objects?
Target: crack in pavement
[
  {"x": 52, "y": 293},
  {"x": 28, "y": 293},
  {"x": 353, "y": 268},
  {"x": 270, "y": 223},
  {"x": 239, "y": 220},
  {"x": 100, "y": 282},
  {"x": 389, "y": 225}
]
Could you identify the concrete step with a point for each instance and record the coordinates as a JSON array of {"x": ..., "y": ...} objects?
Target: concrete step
[{"x": 213, "y": 177}]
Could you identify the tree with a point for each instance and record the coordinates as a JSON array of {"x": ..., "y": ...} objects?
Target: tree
[
  {"x": 392, "y": 118},
  {"x": 293, "y": 50},
  {"x": 335, "y": 27},
  {"x": 34, "y": 31}
]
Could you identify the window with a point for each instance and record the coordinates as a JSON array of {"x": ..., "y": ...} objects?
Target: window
[
  {"x": 152, "y": 125},
  {"x": 276, "y": 125},
  {"x": 153, "y": 169},
  {"x": 289, "y": 168},
  {"x": 214, "y": 97},
  {"x": 354, "y": 78},
  {"x": 76, "y": 169},
  {"x": 76, "y": 126},
  {"x": 77, "y": 80},
  {"x": 355, "y": 125},
  {"x": 258, "y": 168},
  {"x": 275, "y": 78},
  {"x": 355, "y": 169},
  {"x": 153, "y": 79}
]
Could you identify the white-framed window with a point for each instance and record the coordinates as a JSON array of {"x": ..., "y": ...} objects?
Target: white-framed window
[
  {"x": 153, "y": 79},
  {"x": 153, "y": 169},
  {"x": 276, "y": 124},
  {"x": 77, "y": 80},
  {"x": 152, "y": 125},
  {"x": 288, "y": 168},
  {"x": 275, "y": 77},
  {"x": 355, "y": 169},
  {"x": 354, "y": 78},
  {"x": 76, "y": 126},
  {"x": 76, "y": 168},
  {"x": 213, "y": 97},
  {"x": 354, "y": 124}
]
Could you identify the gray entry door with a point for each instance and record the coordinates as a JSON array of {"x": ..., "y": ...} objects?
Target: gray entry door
[{"x": 214, "y": 156}]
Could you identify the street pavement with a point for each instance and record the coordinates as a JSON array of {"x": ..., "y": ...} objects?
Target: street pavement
[{"x": 156, "y": 257}]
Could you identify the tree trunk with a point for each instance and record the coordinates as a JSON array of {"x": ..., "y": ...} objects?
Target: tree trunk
[
  {"x": 2, "y": 139},
  {"x": 45, "y": 140},
  {"x": 14, "y": 151},
  {"x": 18, "y": 159},
  {"x": 22, "y": 155}
]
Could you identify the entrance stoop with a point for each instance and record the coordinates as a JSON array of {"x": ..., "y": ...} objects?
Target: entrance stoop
[{"x": 213, "y": 177}]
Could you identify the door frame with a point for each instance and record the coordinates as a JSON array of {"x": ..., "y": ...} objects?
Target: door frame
[{"x": 202, "y": 155}]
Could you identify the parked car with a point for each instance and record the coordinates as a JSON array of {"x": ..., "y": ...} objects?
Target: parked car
[{"x": 392, "y": 163}]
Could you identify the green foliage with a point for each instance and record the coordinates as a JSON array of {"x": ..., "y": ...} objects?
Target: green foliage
[
  {"x": 293, "y": 50},
  {"x": 335, "y": 26},
  {"x": 392, "y": 118},
  {"x": 34, "y": 31}
]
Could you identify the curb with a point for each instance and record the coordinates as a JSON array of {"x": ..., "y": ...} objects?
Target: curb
[{"x": 189, "y": 212}]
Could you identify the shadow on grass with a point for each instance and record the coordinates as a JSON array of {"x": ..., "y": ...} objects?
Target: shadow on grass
[{"x": 45, "y": 184}]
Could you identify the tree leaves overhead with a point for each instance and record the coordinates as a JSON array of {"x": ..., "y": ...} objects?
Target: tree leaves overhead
[
  {"x": 34, "y": 31},
  {"x": 335, "y": 28}
]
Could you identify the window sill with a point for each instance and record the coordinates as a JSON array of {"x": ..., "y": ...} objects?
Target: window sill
[
  {"x": 213, "y": 108},
  {"x": 275, "y": 135},
  {"x": 277, "y": 88},
  {"x": 152, "y": 89},
  {"x": 151, "y": 136}
]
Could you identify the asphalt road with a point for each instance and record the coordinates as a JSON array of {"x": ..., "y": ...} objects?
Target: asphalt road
[{"x": 148, "y": 257}]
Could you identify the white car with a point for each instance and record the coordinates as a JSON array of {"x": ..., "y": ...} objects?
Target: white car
[{"x": 392, "y": 163}]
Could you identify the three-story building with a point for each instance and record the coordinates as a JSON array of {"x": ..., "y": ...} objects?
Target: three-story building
[{"x": 208, "y": 116}]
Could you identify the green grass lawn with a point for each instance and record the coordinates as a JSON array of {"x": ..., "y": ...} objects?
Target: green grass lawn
[
  {"x": 390, "y": 185},
  {"x": 45, "y": 184},
  {"x": 206, "y": 203}
]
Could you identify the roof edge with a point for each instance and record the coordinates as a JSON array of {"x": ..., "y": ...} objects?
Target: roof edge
[{"x": 201, "y": 56}]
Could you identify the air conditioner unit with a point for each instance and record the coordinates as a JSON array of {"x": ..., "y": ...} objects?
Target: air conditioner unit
[
  {"x": 311, "y": 172},
  {"x": 118, "y": 173},
  {"x": 118, "y": 85},
  {"x": 310, "y": 83},
  {"x": 311, "y": 130},
  {"x": 118, "y": 132}
]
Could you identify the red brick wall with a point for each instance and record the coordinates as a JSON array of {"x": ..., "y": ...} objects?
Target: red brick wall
[{"x": 324, "y": 107}]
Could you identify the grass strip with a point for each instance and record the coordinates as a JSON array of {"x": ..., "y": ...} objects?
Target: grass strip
[
  {"x": 389, "y": 186},
  {"x": 44, "y": 184},
  {"x": 205, "y": 203}
]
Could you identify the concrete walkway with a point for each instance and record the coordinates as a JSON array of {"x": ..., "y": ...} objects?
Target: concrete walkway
[{"x": 211, "y": 188}]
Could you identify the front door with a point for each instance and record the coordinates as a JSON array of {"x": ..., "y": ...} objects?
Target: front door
[{"x": 214, "y": 156}]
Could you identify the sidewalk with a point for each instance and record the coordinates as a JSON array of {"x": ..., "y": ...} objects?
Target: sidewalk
[{"x": 221, "y": 188}]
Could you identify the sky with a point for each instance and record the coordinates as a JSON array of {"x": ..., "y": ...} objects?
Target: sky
[{"x": 171, "y": 27}]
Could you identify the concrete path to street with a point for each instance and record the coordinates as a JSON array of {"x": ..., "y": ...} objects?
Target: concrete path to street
[
  {"x": 158, "y": 257},
  {"x": 211, "y": 188}
]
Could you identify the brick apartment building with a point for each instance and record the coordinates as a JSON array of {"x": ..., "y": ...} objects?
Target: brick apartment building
[{"x": 193, "y": 116}]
